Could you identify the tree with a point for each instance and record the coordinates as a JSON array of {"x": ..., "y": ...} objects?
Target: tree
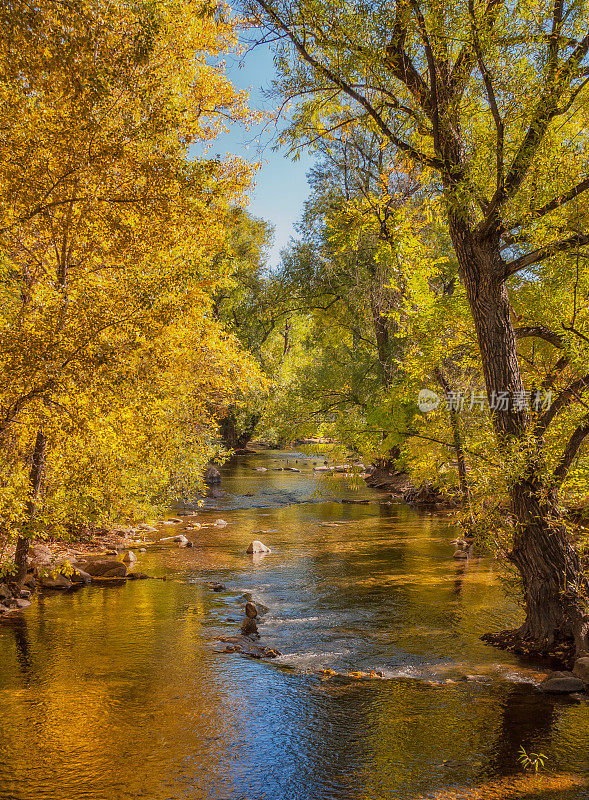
[
  {"x": 108, "y": 237},
  {"x": 246, "y": 305},
  {"x": 491, "y": 98}
]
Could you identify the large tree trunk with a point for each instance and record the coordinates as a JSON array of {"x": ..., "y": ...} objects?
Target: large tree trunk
[
  {"x": 482, "y": 273},
  {"x": 555, "y": 589},
  {"x": 35, "y": 475}
]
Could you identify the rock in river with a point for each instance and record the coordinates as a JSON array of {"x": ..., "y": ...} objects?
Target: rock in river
[
  {"x": 581, "y": 669},
  {"x": 18, "y": 604},
  {"x": 562, "y": 683},
  {"x": 105, "y": 569},
  {"x": 129, "y": 557},
  {"x": 80, "y": 576},
  {"x": 57, "y": 582},
  {"x": 257, "y": 547},
  {"x": 249, "y": 627},
  {"x": 212, "y": 476},
  {"x": 245, "y": 646},
  {"x": 180, "y": 538}
]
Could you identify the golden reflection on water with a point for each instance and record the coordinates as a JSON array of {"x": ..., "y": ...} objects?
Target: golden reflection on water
[
  {"x": 519, "y": 787},
  {"x": 117, "y": 693}
]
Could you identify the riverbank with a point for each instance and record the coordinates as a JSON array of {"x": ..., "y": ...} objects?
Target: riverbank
[{"x": 97, "y": 555}]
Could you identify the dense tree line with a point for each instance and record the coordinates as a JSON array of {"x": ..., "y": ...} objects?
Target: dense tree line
[
  {"x": 484, "y": 104},
  {"x": 114, "y": 243},
  {"x": 443, "y": 250}
]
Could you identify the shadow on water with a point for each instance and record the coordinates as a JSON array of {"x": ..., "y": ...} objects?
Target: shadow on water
[
  {"x": 17, "y": 624},
  {"x": 120, "y": 692}
]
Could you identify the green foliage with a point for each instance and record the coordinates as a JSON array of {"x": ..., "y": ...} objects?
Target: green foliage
[
  {"x": 533, "y": 761},
  {"x": 442, "y": 128}
]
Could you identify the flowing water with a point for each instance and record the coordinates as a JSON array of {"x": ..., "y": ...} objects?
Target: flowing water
[{"x": 121, "y": 692}]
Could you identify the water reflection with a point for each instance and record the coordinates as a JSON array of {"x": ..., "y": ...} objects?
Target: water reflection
[
  {"x": 119, "y": 693},
  {"x": 17, "y": 623}
]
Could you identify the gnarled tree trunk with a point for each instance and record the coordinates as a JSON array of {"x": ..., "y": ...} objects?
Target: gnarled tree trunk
[
  {"x": 554, "y": 585},
  {"x": 555, "y": 588}
]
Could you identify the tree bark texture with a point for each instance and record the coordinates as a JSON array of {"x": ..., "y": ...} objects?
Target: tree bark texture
[{"x": 35, "y": 476}]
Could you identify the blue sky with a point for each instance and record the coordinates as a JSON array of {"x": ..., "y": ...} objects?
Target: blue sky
[{"x": 281, "y": 184}]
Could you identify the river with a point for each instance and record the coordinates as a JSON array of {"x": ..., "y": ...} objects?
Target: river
[{"x": 121, "y": 692}]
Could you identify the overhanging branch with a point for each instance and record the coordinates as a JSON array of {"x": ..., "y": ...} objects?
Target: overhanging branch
[
  {"x": 571, "y": 451},
  {"x": 542, "y": 253},
  {"x": 348, "y": 89},
  {"x": 563, "y": 400},
  {"x": 539, "y": 332}
]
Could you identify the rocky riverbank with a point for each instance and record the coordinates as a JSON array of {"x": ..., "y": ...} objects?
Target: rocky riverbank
[
  {"x": 60, "y": 565},
  {"x": 102, "y": 556}
]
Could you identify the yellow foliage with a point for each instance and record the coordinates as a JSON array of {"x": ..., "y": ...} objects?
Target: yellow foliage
[{"x": 108, "y": 240}]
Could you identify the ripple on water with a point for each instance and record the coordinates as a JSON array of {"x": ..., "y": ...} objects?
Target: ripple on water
[{"x": 116, "y": 693}]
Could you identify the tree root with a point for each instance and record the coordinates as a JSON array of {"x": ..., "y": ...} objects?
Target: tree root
[{"x": 560, "y": 653}]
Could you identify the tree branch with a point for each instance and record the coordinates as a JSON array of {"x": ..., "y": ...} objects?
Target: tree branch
[
  {"x": 466, "y": 59},
  {"x": 433, "y": 76},
  {"x": 557, "y": 82},
  {"x": 399, "y": 62},
  {"x": 570, "y": 452},
  {"x": 557, "y": 202},
  {"x": 487, "y": 80},
  {"x": 405, "y": 147},
  {"x": 542, "y": 253},
  {"x": 540, "y": 332},
  {"x": 562, "y": 401},
  {"x": 548, "y": 381}
]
